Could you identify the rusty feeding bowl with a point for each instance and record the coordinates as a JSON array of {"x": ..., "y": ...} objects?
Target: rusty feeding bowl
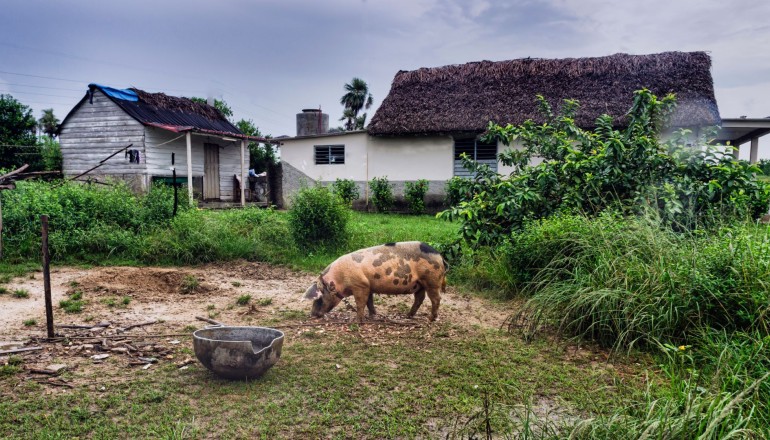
[{"x": 238, "y": 352}]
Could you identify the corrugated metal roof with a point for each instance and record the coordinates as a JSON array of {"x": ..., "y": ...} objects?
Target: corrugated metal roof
[
  {"x": 176, "y": 114},
  {"x": 171, "y": 111}
]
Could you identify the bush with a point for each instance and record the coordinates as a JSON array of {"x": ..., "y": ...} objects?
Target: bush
[
  {"x": 457, "y": 189},
  {"x": 318, "y": 219},
  {"x": 606, "y": 169},
  {"x": 764, "y": 166},
  {"x": 414, "y": 192},
  {"x": 382, "y": 194},
  {"x": 346, "y": 190},
  {"x": 83, "y": 219}
]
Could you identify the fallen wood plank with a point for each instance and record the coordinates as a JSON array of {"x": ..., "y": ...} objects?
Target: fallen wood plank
[
  {"x": 54, "y": 383},
  {"x": 129, "y": 327},
  {"x": 84, "y": 326},
  {"x": 20, "y": 350},
  {"x": 43, "y": 371},
  {"x": 210, "y": 321}
]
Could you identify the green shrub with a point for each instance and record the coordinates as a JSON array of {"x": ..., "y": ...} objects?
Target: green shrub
[
  {"x": 30, "y": 322},
  {"x": 347, "y": 190},
  {"x": 589, "y": 172},
  {"x": 764, "y": 166},
  {"x": 414, "y": 192},
  {"x": 84, "y": 220},
  {"x": 243, "y": 300},
  {"x": 318, "y": 219},
  {"x": 382, "y": 194},
  {"x": 457, "y": 189}
]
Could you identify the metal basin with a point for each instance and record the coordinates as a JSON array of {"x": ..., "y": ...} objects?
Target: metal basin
[{"x": 238, "y": 352}]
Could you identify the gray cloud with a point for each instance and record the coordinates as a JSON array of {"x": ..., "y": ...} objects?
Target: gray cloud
[{"x": 271, "y": 58}]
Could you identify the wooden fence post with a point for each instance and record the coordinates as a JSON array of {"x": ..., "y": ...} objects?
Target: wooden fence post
[{"x": 47, "y": 278}]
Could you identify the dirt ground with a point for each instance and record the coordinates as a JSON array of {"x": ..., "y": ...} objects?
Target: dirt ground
[{"x": 171, "y": 298}]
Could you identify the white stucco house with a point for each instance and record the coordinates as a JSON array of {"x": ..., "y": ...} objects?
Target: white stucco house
[{"x": 433, "y": 115}]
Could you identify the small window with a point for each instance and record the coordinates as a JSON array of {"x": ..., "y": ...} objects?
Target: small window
[
  {"x": 483, "y": 152},
  {"x": 329, "y": 154}
]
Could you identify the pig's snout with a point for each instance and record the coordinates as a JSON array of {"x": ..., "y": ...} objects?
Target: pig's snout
[{"x": 317, "y": 310}]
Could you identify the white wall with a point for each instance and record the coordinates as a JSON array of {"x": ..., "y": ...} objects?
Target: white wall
[{"x": 404, "y": 158}]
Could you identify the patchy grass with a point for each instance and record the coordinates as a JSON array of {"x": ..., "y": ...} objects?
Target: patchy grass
[
  {"x": 30, "y": 322},
  {"x": 243, "y": 300},
  {"x": 189, "y": 284},
  {"x": 20, "y": 293},
  {"x": 338, "y": 383},
  {"x": 264, "y": 301}
]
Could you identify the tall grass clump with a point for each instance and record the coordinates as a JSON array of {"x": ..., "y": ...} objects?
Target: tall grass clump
[
  {"x": 196, "y": 236},
  {"x": 629, "y": 281},
  {"x": 318, "y": 219},
  {"x": 83, "y": 219}
]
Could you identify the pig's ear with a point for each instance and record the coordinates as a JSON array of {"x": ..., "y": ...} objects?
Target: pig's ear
[{"x": 312, "y": 292}]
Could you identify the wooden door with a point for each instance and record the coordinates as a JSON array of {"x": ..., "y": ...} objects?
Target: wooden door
[{"x": 210, "y": 172}]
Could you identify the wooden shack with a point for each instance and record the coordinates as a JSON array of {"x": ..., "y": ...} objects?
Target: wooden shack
[{"x": 210, "y": 153}]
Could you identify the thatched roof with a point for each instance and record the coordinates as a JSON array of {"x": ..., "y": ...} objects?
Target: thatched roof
[{"x": 465, "y": 97}]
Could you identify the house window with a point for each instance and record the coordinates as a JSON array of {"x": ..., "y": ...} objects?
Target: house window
[
  {"x": 329, "y": 154},
  {"x": 482, "y": 152}
]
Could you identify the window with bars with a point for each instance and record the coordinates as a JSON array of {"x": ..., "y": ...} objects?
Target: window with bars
[
  {"x": 482, "y": 152},
  {"x": 329, "y": 154}
]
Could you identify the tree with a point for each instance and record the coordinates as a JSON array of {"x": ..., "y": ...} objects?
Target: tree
[
  {"x": 48, "y": 123},
  {"x": 261, "y": 155},
  {"x": 218, "y": 104},
  {"x": 18, "y": 143},
  {"x": 357, "y": 97}
]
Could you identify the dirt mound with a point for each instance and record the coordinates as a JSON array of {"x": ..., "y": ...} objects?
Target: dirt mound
[
  {"x": 255, "y": 271},
  {"x": 142, "y": 283}
]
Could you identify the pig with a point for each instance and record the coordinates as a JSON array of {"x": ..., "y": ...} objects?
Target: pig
[{"x": 402, "y": 268}]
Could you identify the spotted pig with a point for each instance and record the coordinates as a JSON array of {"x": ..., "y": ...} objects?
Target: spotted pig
[{"x": 403, "y": 268}]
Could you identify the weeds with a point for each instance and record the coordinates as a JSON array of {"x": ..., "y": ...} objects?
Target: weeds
[
  {"x": 21, "y": 293},
  {"x": 243, "y": 300},
  {"x": 30, "y": 322},
  {"x": 189, "y": 284}
]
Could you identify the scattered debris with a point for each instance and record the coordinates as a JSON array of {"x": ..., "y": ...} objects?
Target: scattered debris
[
  {"x": 129, "y": 327},
  {"x": 185, "y": 363},
  {"x": 210, "y": 321},
  {"x": 100, "y": 357},
  {"x": 20, "y": 350}
]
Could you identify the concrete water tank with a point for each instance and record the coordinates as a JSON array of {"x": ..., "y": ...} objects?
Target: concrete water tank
[{"x": 311, "y": 121}]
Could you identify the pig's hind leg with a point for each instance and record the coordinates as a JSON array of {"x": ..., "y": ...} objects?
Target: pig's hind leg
[
  {"x": 419, "y": 297},
  {"x": 370, "y": 304}
]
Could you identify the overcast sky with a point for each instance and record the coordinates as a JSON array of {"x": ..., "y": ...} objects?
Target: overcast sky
[{"x": 270, "y": 59}]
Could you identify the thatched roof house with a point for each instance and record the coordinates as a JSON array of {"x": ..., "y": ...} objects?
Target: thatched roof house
[{"x": 465, "y": 97}]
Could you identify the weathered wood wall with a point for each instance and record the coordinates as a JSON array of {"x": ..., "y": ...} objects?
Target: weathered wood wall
[{"x": 97, "y": 130}]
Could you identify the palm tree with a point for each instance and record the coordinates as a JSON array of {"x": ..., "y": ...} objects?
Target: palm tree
[
  {"x": 356, "y": 98},
  {"x": 48, "y": 123}
]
